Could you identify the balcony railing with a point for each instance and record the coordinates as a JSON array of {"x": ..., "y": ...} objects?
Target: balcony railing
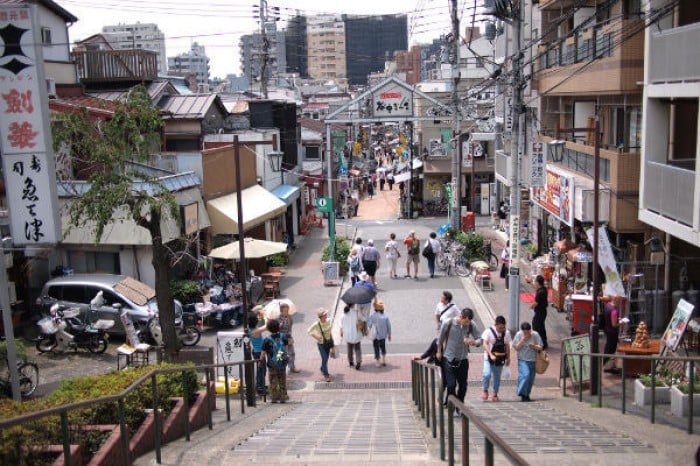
[
  {"x": 669, "y": 190},
  {"x": 673, "y": 54},
  {"x": 116, "y": 65}
]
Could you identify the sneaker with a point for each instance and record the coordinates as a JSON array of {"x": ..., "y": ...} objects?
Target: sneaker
[
  {"x": 379, "y": 364},
  {"x": 357, "y": 367},
  {"x": 494, "y": 397},
  {"x": 296, "y": 371},
  {"x": 327, "y": 379},
  {"x": 352, "y": 364},
  {"x": 485, "y": 395}
]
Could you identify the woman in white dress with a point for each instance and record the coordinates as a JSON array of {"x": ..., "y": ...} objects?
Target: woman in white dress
[{"x": 392, "y": 254}]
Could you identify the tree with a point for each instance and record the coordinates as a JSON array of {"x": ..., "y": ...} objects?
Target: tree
[{"x": 104, "y": 151}]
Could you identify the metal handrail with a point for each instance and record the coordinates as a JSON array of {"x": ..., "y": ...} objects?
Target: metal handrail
[
  {"x": 423, "y": 382},
  {"x": 208, "y": 369}
]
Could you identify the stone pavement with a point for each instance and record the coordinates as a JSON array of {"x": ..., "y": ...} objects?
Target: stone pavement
[{"x": 368, "y": 416}]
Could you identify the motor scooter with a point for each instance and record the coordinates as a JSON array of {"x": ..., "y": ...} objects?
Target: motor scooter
[
  {"x": 63, "y": 330},
  {"x": 186, "y": 327}
]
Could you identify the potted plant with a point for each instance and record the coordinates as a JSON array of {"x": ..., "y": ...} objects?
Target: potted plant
[
  {"x": 680, "y": 398},
  {"x": 643, "y": 388},
  {"x": 342, "y": 250},
  {"x": 531, "y": 250}
]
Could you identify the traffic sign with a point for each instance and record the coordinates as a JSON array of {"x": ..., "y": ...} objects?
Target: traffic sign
[{"x": 324, "y": 204}]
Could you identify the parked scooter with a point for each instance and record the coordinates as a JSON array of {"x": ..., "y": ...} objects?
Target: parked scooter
[
  {"x": 64, "y": 330},
  {"x": 186, "y": 326}
]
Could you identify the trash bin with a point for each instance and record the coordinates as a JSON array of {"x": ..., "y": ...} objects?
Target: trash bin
[{"x": 468, "y": 221}]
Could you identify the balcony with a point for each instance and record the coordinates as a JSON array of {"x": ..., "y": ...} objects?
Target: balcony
[
  {"x": 668, "y": 191},
  {"x": 673, "y": 54},
  {"x": 116, "y": 66}
]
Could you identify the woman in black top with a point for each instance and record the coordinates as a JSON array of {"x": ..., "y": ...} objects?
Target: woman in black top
[{"x": 540, "y": 308}]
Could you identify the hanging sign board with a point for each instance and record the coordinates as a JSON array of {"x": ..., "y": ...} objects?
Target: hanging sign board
[
  {"x": 229, "y": 349},
  {"x": 606, "y": 260},
  {"x": 324, "y": 204},
  {"x": 392, "y": 100},
  {"x": 676, "y": 328},
  {"x": 579, "y": 367},
  {"x": 556, "y": 196},
  {"x": 537, "y": 164}
]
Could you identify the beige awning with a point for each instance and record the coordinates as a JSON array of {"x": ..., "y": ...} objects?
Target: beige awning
[{"x": 259, "y": 205}]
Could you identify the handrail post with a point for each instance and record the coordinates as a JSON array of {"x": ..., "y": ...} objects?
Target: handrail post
[
  {"x": 624, "y": 387},
  {"x": 227, "y": 393},
  {"x": 465, "y": 440},
  {"x": 442, "y": 422},
  {"x": 186, "y": 402},
  {"x": 426, "y": 391},
  {"x": 450, "y": 434},
  {"x": 421, "y": 407},
  {"x": 65, "y": 433},
  {"x": 156, "y": 418},
  {"x": 210, "y": 397},
  {"x": 414, "y": 382},
  {"x": 124, "y": 433},
  {"x": 488, "y": 452},
  {"x": 599, "y": 366},
  {"x": 580, "y": 378},
  {"x": 653, "y": 390},
  {"x": 432, "y": 400},
  {"x": 691, "y": 392},
  {"x": 242, "y": 391}
]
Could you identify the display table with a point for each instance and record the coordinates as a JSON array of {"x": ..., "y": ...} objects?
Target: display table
[{"x": 638, "y": 367}]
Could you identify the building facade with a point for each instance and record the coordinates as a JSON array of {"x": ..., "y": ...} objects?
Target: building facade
[
  {"x": 194, "y": 61},
  {"x": 325, "y": 36},
  {"x": 145, "y": 36}
]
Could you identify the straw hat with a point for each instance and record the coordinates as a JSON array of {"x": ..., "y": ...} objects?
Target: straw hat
[
  {"x": 379, "y": 305},
  {"x": 364, "y": 276},
  {"x": 322, "y": 312}
]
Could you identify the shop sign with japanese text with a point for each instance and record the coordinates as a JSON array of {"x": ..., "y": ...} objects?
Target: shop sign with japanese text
[
  {"x": 556, "y": 197},
  {"x": 28, "y": 163},
  {"x": 392, "y": 100},
  {"x": 537, "y": 164}
]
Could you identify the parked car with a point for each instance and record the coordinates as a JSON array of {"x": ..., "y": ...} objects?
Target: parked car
[{"x": 118, "y": 291}]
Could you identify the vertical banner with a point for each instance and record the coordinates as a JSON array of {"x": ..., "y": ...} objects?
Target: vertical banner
[
  {"x": 514, "y": 238},
  {"x": 537, "y": 164},
  {"x": 606, "y": 260},
  {"x": 466, "y": 154},
  {"x": 25, "y": 142}
]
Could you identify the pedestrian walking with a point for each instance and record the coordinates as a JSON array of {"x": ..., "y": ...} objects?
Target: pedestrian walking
[
  {"x": 392, "y": 254},
  {"x": 370, "y": 190},
  {"x": 502, "y": 215},
  {"x": 382, "y": 328},
  {"x": 445, "y": 309},
  {"x": 497, "y": 341},
  {"x": 526, "y": 343},
  {"x": 365, "y": 307},
  {"x": 540, "y": 310},
  {"x": 505, "y": 262},
  {"x": 354, "y": 266},
  {"x": 274, "y": 352},
  {"x": 432, "y": 248},
  {"x": 286, "y": 322},
  {"x": 382, "y": 180},
  {"x": 371, "y": 260},
  {"x": 321, "y": 332},
  {"x": 458, "y": 335},
  {"x": 256, "y": 322},
  {"x": 390, "y": 180},
  {"x": 352, "y": 336},
  {"x": 611, "y": 328},
  {"x": 412, "y": 244}
]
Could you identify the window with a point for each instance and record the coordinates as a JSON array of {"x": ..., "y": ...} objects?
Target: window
[
  {"x": 46, "y": 35},
  {"x": 75, "y": 294}
]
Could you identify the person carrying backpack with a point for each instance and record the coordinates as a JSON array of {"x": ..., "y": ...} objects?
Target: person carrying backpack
[
  {"x": 354, "y": 265},
  {"x": 497, "y": 342},
  {"x": 275, "y": 353},
  {"x": 413, "y": 249}
]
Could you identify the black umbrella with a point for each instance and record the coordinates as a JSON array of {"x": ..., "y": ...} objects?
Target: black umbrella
[{"x": 358, "y": 295}]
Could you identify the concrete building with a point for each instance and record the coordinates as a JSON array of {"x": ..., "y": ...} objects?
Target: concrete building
[
  {"x": 194, "y": 61},
  {"x": 253, "y": 50},
  {"x": 145, "y": 36},
  {"x": 326, "y": 45}
]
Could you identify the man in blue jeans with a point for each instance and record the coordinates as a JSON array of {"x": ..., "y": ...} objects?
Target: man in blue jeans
[
  {"x": 456, "y": 336},
  {"x": 496, "y": 356}
]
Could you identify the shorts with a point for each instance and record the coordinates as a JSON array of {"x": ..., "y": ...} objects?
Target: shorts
[
  {"x": 415, "y": 258},
  {"x": 370, "y": 267}
]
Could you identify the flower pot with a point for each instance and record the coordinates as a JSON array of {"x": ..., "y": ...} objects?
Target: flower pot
[
  {"x": 642, "y": 394},
  {"x": 679, "y": 403}
]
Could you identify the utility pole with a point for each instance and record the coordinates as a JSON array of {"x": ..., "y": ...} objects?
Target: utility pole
[
  {"x": 518, "y": 116},
  {"x": 265, "y": 48},
  {"x": 456, "y": 206}
]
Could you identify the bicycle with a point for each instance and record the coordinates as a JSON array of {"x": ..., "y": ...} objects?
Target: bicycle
[
  {"x": 28, "y": 379},
  {"x": 452, "y": 258},
  {"x": 489, "y": 257},
  {"x": 434, "y": 208}
]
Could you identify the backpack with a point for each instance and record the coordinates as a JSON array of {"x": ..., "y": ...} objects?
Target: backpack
[
  {"x": 355, "y": 264},
  {"x": 415, "y": 247},
  {"x": 428, "y": 250},
  {"x": 499, "y": 348},
  {"x": 279, "y": 357}
]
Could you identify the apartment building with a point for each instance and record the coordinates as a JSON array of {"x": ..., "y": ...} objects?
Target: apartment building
[
  {"x": 144, "y": 36},
  {"x": 194, "y": 61},
  {"x": 325, "y": 38},
  {"x": 270, "y": 51},
  {"x": 669, "y": 192}
]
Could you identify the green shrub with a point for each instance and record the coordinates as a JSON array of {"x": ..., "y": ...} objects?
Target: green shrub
[
  {"x": 20, "y": 349},
  {"x": 646, "y": 381},
  {"x": 46, "y": 431},
  {"x": 685, "y": 386},
  {"x": 186, "y": 291},
  {"x": 342, "y": 250},
  {"x": 473, "y": 245},
  {"x": 278, "y": 260}
]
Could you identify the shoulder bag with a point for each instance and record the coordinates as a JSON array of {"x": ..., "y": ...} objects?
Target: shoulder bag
[
  {"x": 542, "y": 362},
  {"x": 328, "y": 343}
]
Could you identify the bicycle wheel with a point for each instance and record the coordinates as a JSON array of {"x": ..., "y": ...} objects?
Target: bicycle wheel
[
  {"x": 28, "y": 378},
  {"x": 492, "y": 260},
  {"x": 190, "y": 336},
  {"x": 97, "y": 345},
  {"x": 461, "y": 266},
  {"x": 442, "y": 261}
]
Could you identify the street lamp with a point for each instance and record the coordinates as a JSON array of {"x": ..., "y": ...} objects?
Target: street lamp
[
  {"x": 556, "y": 149},
  {"x": 275, "y": 158}
]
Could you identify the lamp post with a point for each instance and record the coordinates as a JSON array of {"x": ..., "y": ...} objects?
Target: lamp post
[
  {"x": 275, "y": 158},
  {"x": 557, "y": 146}
]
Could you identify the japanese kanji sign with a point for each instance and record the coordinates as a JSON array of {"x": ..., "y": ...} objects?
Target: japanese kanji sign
[
  {"x": 28, "y": 162},
  {"x": 230, "y": 349},
  {"x": 537, "y": 164},
  {"x": 392, "y": 100}
]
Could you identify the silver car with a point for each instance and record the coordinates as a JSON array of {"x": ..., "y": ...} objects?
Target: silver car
[{"x": 119, "y": 292}]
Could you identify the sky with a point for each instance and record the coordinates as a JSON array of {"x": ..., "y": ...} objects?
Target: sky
[{"x": 218, "y": 24}]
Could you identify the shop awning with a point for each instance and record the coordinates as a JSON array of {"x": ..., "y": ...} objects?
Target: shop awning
[
  {"x": 259, "y": 205},
  {"x": 287, "y": 193}
]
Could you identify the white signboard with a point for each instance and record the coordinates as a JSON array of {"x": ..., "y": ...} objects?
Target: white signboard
[
  {"x": 466, "y": 154},
  {"x": 509, "y": 115},
  {"x": 606, "y": 261},
  {"x": 514, "y": 238},
  {"x": 537, "y": 177},
  {"x": 392, "y": 100},
  {"x": 28, "y": 162},
  {"x": 229, "y": 349}
]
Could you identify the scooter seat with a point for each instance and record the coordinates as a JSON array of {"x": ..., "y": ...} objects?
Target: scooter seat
[{"x": 103, "y": 324}]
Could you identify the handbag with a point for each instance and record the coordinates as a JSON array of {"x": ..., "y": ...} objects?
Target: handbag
[
  {"x": 428, "y": 250},
  {"x": 542, "y": 362},
  {"x": 504, "y": 270},
  {"x": 328, "y": 343}
]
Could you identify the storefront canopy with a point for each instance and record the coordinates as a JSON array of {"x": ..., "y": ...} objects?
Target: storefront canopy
[
  {"x": 287, "y": 193},
  {"x": 259, "y": 205}
]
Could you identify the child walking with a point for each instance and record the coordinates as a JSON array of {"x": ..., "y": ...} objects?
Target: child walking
[{"x": 382, "y": 327}]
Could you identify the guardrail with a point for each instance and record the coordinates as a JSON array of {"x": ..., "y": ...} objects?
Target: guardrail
[
  {"x": 63, "y": 411},
  {"x": 654, "y": 362},
  {"x": 425, "y": 391}
]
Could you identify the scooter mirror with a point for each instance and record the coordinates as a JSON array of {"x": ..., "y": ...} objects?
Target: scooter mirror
[{"x": 53, "y": 310}]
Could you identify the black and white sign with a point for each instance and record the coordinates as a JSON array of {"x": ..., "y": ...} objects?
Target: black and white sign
[
  {"x": 230, "y": 347},
  {"x": 537, "y": 173}
]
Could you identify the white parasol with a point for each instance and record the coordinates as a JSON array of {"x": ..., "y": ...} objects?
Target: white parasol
[
  {"x": 272, "y": 309},
  {"x": 254, "y": 248}
]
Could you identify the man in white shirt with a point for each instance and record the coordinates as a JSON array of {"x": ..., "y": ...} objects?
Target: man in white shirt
[
  {"x": 445, "y": 309},
  {"x": 497, "y": 343}
]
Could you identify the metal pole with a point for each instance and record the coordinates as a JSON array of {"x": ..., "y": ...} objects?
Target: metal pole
[
  {"x": 9, "y": 329},
  {"x": 456, "y": 165},
  {"x": 265, "y": 47},
  {"x": 247, "y": 355},
  {"x": 595, "y": 325}
]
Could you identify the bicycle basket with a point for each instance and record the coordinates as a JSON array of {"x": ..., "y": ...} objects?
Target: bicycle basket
[{"x": 47, "y": 325}]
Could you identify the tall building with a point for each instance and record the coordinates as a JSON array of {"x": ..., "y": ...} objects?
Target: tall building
[
  {"x": 253, "y": 50},
  {"x": 370, "y": 41},
  {"x": 144, "y": 36},
  {"x": 295, "y": 44},
  {"x": 194, "y": 61},
  {"x": 326, "y": 45}
]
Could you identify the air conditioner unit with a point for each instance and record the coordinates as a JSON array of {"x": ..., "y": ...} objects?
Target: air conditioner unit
[{"x": 51, "y": 88}]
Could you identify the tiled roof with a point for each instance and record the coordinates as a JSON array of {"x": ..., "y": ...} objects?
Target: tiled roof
[
  {"x": 319, "y": 125},
  {"x": 189, "y": 106},
  {"x": 92, "y": 104}
]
